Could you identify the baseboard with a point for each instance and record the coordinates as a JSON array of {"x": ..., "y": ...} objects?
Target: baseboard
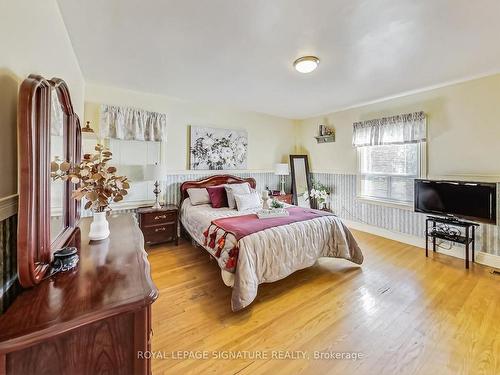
[
  {"x": 455, "y": 251},
  {"x": 382, "y": 232},
  {"x": 488, "y": 259}
]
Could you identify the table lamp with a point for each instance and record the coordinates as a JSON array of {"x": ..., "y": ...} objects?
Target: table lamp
[
  {"x": 281, "y": 169},
  {"x": 155, "y": 173}
]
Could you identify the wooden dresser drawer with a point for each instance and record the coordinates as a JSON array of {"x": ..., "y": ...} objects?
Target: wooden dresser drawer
[
  {"x": 155, "y": 218},
  {"x": 164, "y": 229},
  {"x": 105, "y": 325},
  {"x": 159, "y": 233}
]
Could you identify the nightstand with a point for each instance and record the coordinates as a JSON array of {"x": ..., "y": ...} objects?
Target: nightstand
[
  {"x": 160, "y": 225},
  {"x": 287, "y": 198}
]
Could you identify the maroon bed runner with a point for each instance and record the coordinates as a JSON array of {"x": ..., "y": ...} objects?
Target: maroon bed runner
[{"x": 242, "y": 226}]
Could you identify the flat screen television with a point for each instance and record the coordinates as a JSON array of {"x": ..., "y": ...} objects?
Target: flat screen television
[{"x": 475, "y": 201}]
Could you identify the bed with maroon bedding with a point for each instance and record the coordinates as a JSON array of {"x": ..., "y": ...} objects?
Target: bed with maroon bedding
[{"x": 251, "y": 251}]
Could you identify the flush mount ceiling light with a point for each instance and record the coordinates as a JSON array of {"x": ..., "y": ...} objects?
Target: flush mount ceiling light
[{"x": 306, "y": 64}]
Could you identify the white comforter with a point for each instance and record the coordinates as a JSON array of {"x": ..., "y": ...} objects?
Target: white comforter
[{"x": 274, "y": 253}]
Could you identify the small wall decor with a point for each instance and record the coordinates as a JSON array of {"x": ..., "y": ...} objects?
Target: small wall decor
[
  {"x": 218, "y": 149},
  {"x": 325, "y": 134}
]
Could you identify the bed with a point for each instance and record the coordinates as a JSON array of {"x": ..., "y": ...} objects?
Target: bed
[{"x": 266, "y": 255}]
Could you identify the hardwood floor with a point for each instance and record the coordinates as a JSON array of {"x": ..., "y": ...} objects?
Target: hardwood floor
[{"x": 404, "y": 313}]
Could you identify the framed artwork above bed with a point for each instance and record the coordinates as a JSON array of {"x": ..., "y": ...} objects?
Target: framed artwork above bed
[{"x": 218, "y": 149}]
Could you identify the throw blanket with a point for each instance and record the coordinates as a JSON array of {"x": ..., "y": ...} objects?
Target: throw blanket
[{"x": 242, "y": 226}]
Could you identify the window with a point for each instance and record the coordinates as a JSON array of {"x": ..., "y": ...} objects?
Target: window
[
  {"x": 129, "y": 158},
  {"x": 391, "y": 154},
  {"x": 387, "y": 172}
]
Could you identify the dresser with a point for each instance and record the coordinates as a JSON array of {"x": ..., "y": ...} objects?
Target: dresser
[
  {"x": 159, "y": 225},
  {"x": 95, "y": 319},
  {"x": 286, "y": 198}
]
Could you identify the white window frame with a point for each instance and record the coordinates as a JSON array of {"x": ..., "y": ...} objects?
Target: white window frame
[
  {"x": 422, "y": 173},
  {"x": 117, "y": 162}
]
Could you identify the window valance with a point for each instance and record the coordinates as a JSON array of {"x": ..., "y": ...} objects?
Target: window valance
[
  {"x": 132, "y": 124},
  {"x": 400, "y": 129}
]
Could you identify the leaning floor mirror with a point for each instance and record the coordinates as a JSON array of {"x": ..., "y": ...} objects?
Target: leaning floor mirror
[{"x": 301, "y": 180}]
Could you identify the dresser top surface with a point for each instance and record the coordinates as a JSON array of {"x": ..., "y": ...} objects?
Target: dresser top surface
[{"x": 113, "y": 276}]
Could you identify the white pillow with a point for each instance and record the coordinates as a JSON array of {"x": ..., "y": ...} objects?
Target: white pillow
[
  {"x": 247, "y": 201},
  {"x": 232, "y": 189},
  {"x": 198, "y": 196}
]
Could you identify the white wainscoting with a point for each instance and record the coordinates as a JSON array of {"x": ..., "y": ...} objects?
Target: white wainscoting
[
  {"x": 174, "y": 181},
  {"x": 395, "y": 223},
  {"x": 481, "y": 257},
  {"x": 171, "y": 187},
  {"x": 400, "y": 224}
]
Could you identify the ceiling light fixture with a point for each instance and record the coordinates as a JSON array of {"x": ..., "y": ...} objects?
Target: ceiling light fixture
[{"x": 306, "y": 64}]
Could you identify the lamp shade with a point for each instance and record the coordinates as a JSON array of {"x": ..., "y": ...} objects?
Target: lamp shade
[
  {"x": 281, "y": 169},
  {"x": 154, "y": 172},
  {"x": 134, "y": 173}
]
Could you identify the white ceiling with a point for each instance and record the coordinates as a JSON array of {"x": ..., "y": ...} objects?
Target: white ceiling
[{"x": 239, "y": 53}]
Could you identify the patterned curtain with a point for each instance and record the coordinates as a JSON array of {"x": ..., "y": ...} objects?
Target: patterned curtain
[
  {"x": 400, "y": 129},
  {"x": 132, "y": 124}
]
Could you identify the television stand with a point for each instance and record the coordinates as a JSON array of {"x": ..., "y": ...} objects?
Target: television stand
[{"x": 448, "y": 231}]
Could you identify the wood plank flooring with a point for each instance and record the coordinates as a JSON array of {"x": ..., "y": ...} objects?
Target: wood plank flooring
[{"x": 404, "y": 313}]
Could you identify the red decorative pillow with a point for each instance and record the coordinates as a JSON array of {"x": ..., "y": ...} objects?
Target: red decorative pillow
[{"x": 218, "y": 196}]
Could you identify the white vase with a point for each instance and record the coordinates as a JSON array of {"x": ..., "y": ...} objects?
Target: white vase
[{"x": 99, "y": 228}]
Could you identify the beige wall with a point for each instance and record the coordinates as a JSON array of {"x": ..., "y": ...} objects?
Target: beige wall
[
  {"x": 271, "y": 139},
  {"x": 463, "y": 130},
  {"x": 8, "y": 130},
  {"x": 33, "y": 39}
]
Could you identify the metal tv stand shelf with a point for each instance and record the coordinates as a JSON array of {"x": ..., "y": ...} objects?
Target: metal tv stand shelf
[{"x": 449, "y": 232}]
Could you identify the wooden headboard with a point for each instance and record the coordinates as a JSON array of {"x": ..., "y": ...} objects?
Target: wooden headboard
[{"x": 219, "y": 179}]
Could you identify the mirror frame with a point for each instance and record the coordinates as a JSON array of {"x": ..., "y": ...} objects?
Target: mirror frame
[
  {"x": 34, "y": 246},
  {"x": 308, "y": 177}
]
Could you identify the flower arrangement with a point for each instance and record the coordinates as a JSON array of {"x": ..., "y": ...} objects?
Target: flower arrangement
[
  {"x": 276, "y": 204},
  {"x": 97, "y": 181},
  {"x": 215, "y": 151},
  {"x": 319, "y": 193}
]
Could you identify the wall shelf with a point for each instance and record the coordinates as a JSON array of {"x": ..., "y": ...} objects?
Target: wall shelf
[{"x": 325, "y": 138}]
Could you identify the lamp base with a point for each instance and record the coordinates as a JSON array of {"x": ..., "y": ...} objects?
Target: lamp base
[
  {"x": 156, "y": 192},
  {"x": 282, "y": 185}
]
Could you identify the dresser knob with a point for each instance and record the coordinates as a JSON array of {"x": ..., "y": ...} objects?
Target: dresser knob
[
  {"x": 160, "y": 217},
  {"x": 160, "y": 229}
]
